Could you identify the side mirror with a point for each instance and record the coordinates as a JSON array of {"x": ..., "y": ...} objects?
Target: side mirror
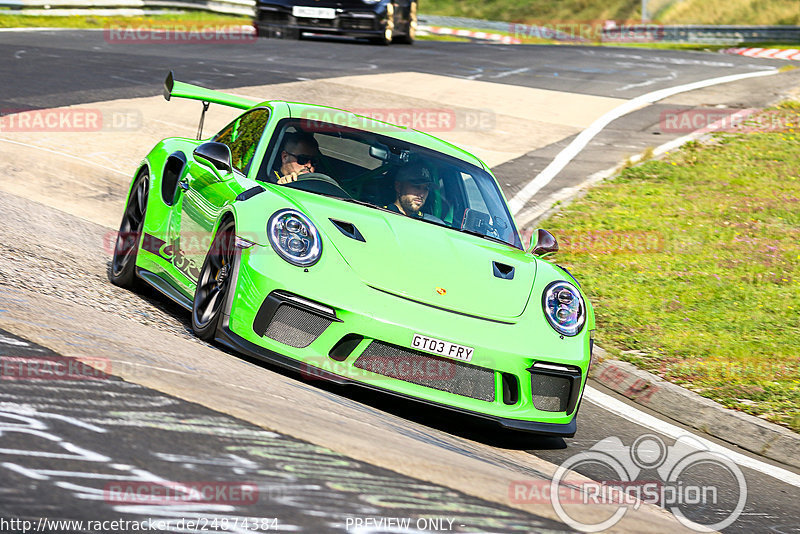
[
  {"x": 543, "y": 243},
  {"x": 215, "y": 154}
]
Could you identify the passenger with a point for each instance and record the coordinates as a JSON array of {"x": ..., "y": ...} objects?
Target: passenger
[
  {"x": 412, "y": 185},
  {"x": 300, "y": 155}
]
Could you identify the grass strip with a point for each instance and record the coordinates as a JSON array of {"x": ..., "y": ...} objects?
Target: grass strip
[
  {"x": 693, "y": 264},
  {"x": 174, "y": 20}
]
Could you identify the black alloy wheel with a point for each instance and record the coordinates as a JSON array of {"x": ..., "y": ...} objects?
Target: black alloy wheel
[
  {"x": 123, "y": 265},
  {"x": 214, "y": 282}
]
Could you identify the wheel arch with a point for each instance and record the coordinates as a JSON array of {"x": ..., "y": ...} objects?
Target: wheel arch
[
  {"x": 143, "y": 167},
  {"x": 227, "y": 215},
  {"x": 172, "y": 171}
]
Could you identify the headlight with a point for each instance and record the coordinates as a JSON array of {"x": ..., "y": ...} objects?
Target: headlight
[
  {"x": 294, "y": 237},
  {"x": 564, "y": 308},
  {"x": 370, "y": 2}
]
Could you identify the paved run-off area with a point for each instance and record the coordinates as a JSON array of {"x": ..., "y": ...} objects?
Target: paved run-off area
[{"x": 63, "y": 193}]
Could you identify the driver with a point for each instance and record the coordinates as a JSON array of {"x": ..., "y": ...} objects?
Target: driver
[
  {"x": 300, "y": 155},
  {"x": 412, "y": 185}
]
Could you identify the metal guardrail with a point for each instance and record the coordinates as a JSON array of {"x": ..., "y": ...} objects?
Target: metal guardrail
[
  {"x": 461, "y": 22},
  {"x": 707, "y": 34},
  {"x": 577, "y": 32}
]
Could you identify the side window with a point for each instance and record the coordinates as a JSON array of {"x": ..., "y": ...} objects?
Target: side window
[
  {"x": 242, "y": 136},
  {"x": 475, "y": 199}
]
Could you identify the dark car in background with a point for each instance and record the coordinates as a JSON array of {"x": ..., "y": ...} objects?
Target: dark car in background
[{"x": 380, "y": 21}]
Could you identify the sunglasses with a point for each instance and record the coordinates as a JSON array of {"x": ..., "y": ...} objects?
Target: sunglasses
[{"x": 302, "y": 159}]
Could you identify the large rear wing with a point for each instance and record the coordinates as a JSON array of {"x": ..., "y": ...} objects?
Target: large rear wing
[
  {"x": 206, "y": 96},
  {"x": 194, "y": 92}
]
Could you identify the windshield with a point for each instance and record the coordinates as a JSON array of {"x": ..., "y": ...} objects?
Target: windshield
[{"x": 390, "y": 174}]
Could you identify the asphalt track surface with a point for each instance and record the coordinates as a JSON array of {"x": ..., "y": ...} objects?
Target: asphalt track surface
[{"x": 138, "y": 429}]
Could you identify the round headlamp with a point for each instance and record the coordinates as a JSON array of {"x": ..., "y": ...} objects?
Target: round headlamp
[
  {"x": 294, "y": 237},
  {"x": 564, "y": 308}
]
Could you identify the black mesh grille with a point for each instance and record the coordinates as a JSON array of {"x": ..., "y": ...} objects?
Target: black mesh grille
[
  {"x": 550, "y": 393},
  {"x": 273, "y": 17},
  {"x": 428, "y": 370},
  {"x": 316, "y": 23},
  {"x": 295, "y": 327},
  {"x": 357, "y": 24}
]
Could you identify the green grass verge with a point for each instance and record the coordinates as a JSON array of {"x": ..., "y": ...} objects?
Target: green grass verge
[
  {"x": 192, "y": 18},
  {"x": 708, "y": 296},
  {"x": 660, "y": 11}
]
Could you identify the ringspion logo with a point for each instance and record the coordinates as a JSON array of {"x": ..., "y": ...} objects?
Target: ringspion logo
[{"x": 648, "y": 471}]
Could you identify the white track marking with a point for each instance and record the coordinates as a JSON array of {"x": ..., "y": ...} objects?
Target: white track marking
[
  {"x": 511, "y": 72},
  {"x": 529, "y": 215},
  {"x": 13, "y": 342},
  {"x": 671, "y": 76},
  {"x": 517, "y": 203},
  {"x": 64, "y": 154},
  {"x": 608, "y": 403}
]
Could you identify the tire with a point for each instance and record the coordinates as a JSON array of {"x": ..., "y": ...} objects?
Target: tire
[
  {"x": 214, "y": 282},
  {"x": 123, "y": 264},
  {"x": 388, "y": 32},
  {"x": 411, "y": 29}
]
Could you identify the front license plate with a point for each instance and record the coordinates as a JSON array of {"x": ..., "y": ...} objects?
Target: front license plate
[
  {"x": 443, "y": 348},
  {"x": 314, "y": 12}
]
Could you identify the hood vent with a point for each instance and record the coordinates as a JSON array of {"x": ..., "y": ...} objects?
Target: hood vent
[
  {"x": 348, "y": 229},
  {"x": 501, "y": 270}
]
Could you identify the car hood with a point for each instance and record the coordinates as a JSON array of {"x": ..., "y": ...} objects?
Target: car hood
[{"x": 427, "y": 263}]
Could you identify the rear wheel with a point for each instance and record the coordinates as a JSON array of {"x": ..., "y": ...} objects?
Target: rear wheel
[
  {"x": 214, "y": 282},
  {"x": 123, "y": 265}
]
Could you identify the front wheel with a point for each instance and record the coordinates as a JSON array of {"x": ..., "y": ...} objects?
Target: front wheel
[
  {"x": 123, "y": 265},
  {"x": 388, "y": 31},
  {"x": 214, "y": 282}
]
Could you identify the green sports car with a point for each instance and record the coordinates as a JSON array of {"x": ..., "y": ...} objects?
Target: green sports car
[{"x": 360, "y": 252}]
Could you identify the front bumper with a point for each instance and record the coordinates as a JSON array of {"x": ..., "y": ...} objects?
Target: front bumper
[
  {"x": 237, "y": 343},
  {"x": 353, "y": 23},
  {"x": 344, "y": 333}
]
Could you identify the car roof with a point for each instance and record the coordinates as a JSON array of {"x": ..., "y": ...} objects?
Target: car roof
[{"x": 348, "y": 118}]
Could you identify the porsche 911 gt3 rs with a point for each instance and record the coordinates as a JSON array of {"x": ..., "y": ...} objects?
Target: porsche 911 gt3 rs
[{"x": 328, "y": 275}]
